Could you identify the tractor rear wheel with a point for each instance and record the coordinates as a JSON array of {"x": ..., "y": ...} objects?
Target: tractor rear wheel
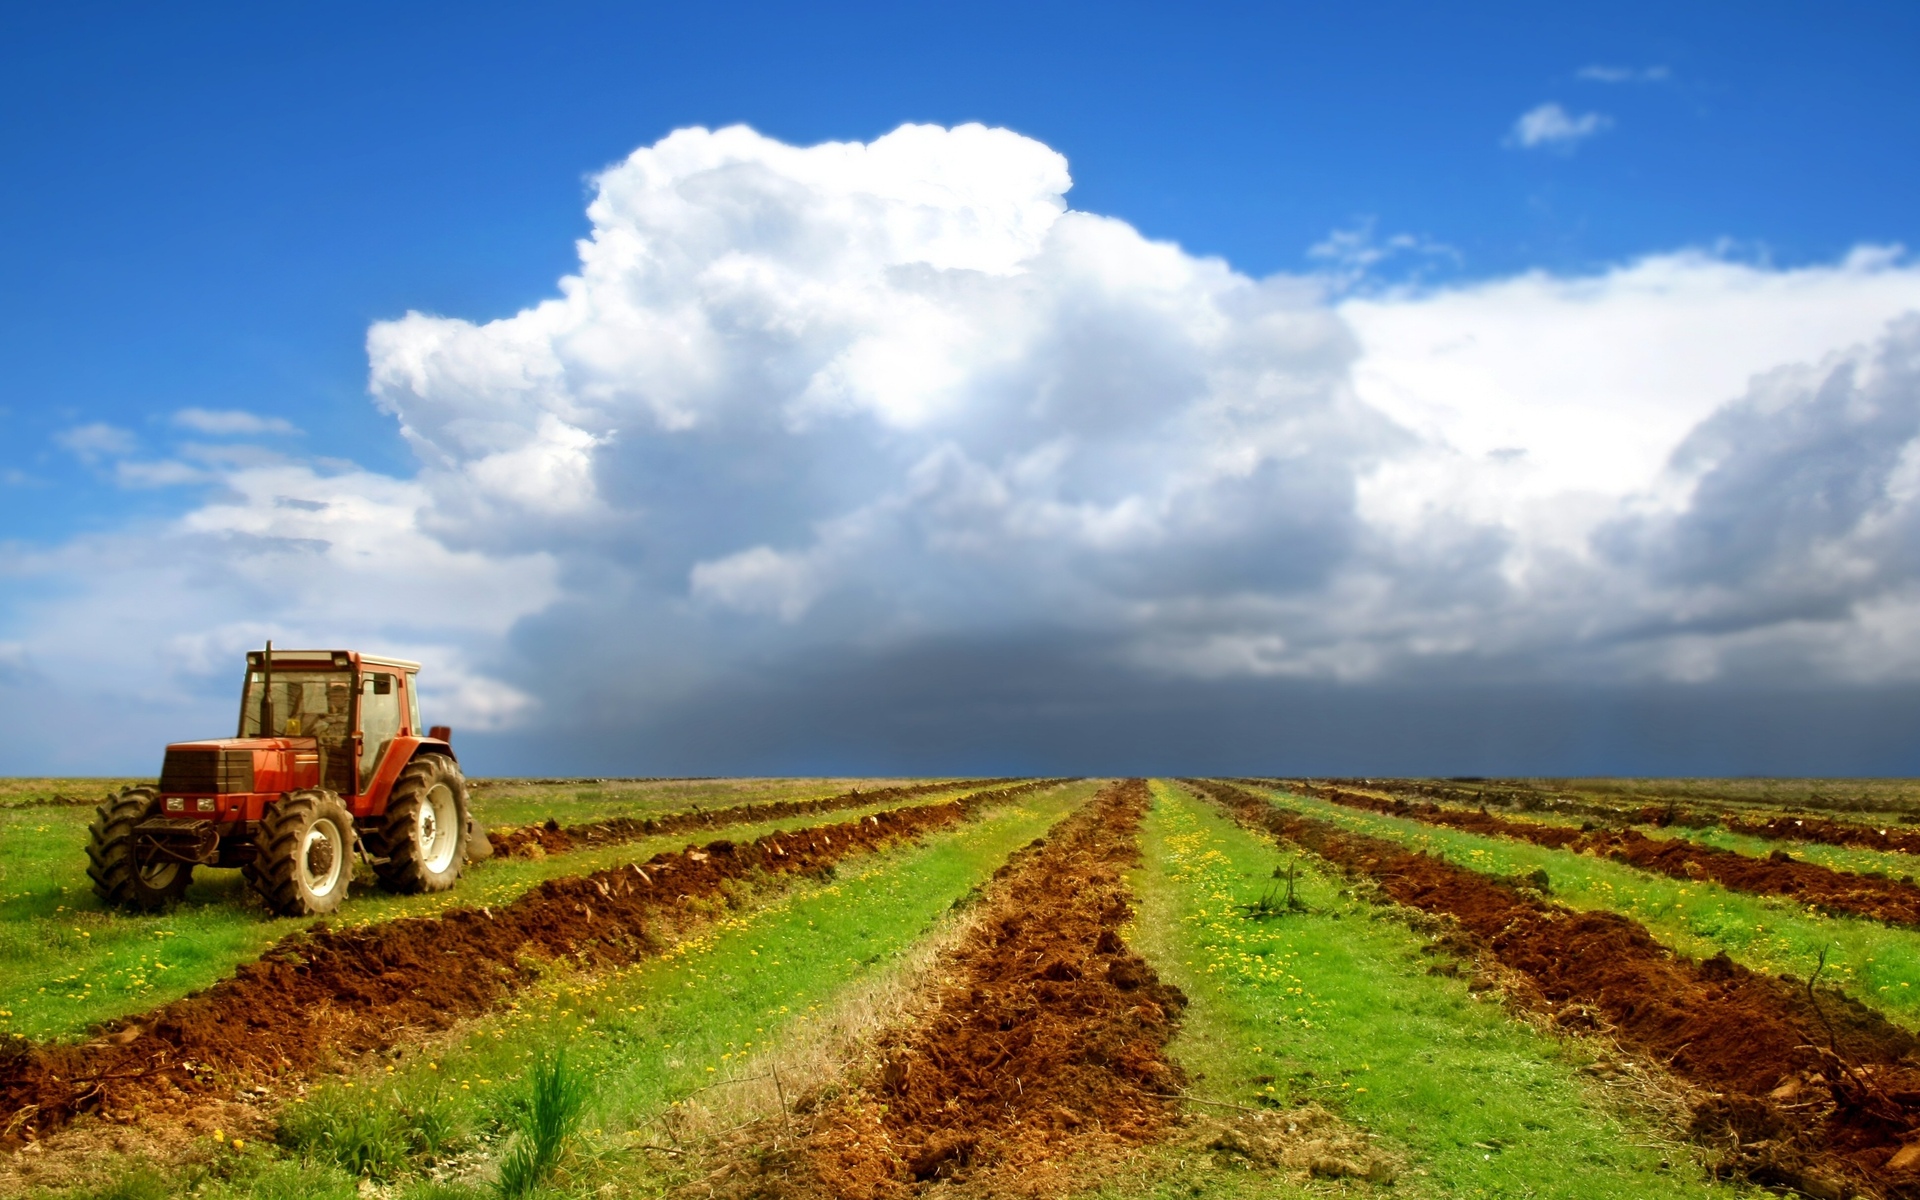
[
  {"x": 118, "y": 876},
  {"x": 305, "y": 853},
  {"x": 423, "y": 837}
]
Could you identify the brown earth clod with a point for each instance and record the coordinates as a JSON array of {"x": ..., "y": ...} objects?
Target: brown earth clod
[{"x": 1808, "y": 1088}]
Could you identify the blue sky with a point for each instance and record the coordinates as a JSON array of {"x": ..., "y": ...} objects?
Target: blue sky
[{"x": 209, "y": 209}]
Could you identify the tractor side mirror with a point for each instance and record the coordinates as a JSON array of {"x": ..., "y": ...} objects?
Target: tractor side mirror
[{"x": 440, "y": 733}]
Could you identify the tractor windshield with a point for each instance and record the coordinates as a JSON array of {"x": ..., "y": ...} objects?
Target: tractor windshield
[
  {"x": 315, "y": 704},
  {"x": 305, "y": 704}
]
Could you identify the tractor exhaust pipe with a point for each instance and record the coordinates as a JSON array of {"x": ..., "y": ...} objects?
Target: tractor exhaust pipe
[{"x": 266, "y": 692}]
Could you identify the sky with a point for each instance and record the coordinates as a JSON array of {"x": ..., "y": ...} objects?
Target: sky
[{"x": 734, "y": 389}]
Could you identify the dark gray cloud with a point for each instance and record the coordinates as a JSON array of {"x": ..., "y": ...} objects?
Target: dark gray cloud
[{"x": 1800, "y": 514}]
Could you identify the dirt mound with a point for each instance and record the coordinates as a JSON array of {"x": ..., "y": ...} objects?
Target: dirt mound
[
  {"x": 1809, "y": 1090},
  {"x": 324, "y": 994},
  {"x": 553, "y": 838},
  {"x": 1045, "y": 1044}
]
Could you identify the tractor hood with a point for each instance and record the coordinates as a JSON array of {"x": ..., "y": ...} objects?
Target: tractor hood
[{"x": 230, "y": 766}]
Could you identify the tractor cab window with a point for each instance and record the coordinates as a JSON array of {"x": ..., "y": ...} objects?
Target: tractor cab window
[
  {"x": 379, "y": 720},
  {"x": 313, "y": 704},
  {"x": 305, "y": 704}
]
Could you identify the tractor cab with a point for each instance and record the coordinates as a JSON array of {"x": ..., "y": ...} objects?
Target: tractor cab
[{"x": 330, "y": 742}]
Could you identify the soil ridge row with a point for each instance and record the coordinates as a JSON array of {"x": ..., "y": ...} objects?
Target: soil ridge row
[
  {"x": 553, "y": 838},
  {"x": 1895, "y": 901},
  {"x": 1792, "y": 827}
]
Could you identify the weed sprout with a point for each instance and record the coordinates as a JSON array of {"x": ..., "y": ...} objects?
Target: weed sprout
[{"x": 556, "y": 1101}]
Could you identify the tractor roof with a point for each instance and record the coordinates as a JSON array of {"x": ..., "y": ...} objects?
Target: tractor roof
[{"x": 331, "y": 658}]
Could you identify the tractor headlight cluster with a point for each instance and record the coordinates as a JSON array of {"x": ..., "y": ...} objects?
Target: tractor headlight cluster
[
  {"x": 204, "y": 804},
  {"x": 176, "y": 805}
]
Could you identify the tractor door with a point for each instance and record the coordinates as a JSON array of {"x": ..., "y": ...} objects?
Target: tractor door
[{"x": 379, "y": 720}]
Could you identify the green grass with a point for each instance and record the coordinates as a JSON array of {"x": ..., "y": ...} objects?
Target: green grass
[
  {"x": 666, "y": 1031},
  {"x": 225, "y": 1175},
  {"x": 1333, "y": 1007},
  {"x": 1877, "y": 963},
  {"x": 67, "y": 963},
  {"x": 60, "y": 793}
]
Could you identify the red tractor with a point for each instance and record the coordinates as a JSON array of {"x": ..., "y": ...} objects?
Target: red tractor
[{"x": 330, "y": 761}]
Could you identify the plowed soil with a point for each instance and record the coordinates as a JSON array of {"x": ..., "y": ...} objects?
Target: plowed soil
[
  {"x": 1044, "y": 1048},
  {"x": 1511, "y": 795},
  {"x": 1894, "y": 901},
  {"x": 1824, "y": 830},
  {"x": 553, "y": 838},
  {"x": 1801, "y": 1089},
  {"x": 321, "y": 996}
]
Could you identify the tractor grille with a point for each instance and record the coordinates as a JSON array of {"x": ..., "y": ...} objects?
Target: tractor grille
[{"x": 203, "y": 772}]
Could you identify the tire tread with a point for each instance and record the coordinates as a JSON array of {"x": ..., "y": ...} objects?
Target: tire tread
[{"x": 392, "y": 837}]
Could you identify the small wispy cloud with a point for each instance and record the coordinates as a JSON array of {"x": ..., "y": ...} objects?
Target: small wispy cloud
[
  {"x": 162, "y": 473},
  {"x": 230, "y": 421},
  {"x": 1602, "y": 73},
  {"x": 97, "y": 440},
  {"x": 1551, "y": 127},
  {"x": 1353, "y": 254}
]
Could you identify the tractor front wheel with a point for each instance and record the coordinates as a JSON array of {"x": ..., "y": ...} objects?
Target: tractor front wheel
[
  {"x": 423, "y": 837},
  {"x": 118, "y": 876},
  {"x": 305, "y": 854}
]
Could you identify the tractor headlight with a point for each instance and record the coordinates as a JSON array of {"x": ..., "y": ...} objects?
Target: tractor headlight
[
  {"x": 176, "y": 805},
  {"x": 204, "y": 804}
]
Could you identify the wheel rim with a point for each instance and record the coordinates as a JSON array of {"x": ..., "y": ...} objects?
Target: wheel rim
[
  {"x": 439, "y": 828},
  {"x": 159, "y": 876},
  {"x": 322, "y": 857}
]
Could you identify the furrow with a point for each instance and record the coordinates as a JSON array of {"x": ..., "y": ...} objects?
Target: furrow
[{"x": 1041, "y": 1057}]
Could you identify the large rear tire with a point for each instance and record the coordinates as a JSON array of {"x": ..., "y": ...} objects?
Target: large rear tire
[
  {"x": 118, "y": 877},
  {"x": 423, "y": 837},
  {"x": 305, "y": 857}
]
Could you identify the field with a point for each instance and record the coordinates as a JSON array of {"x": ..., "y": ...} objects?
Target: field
[{"x": 876, "y": 989}]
